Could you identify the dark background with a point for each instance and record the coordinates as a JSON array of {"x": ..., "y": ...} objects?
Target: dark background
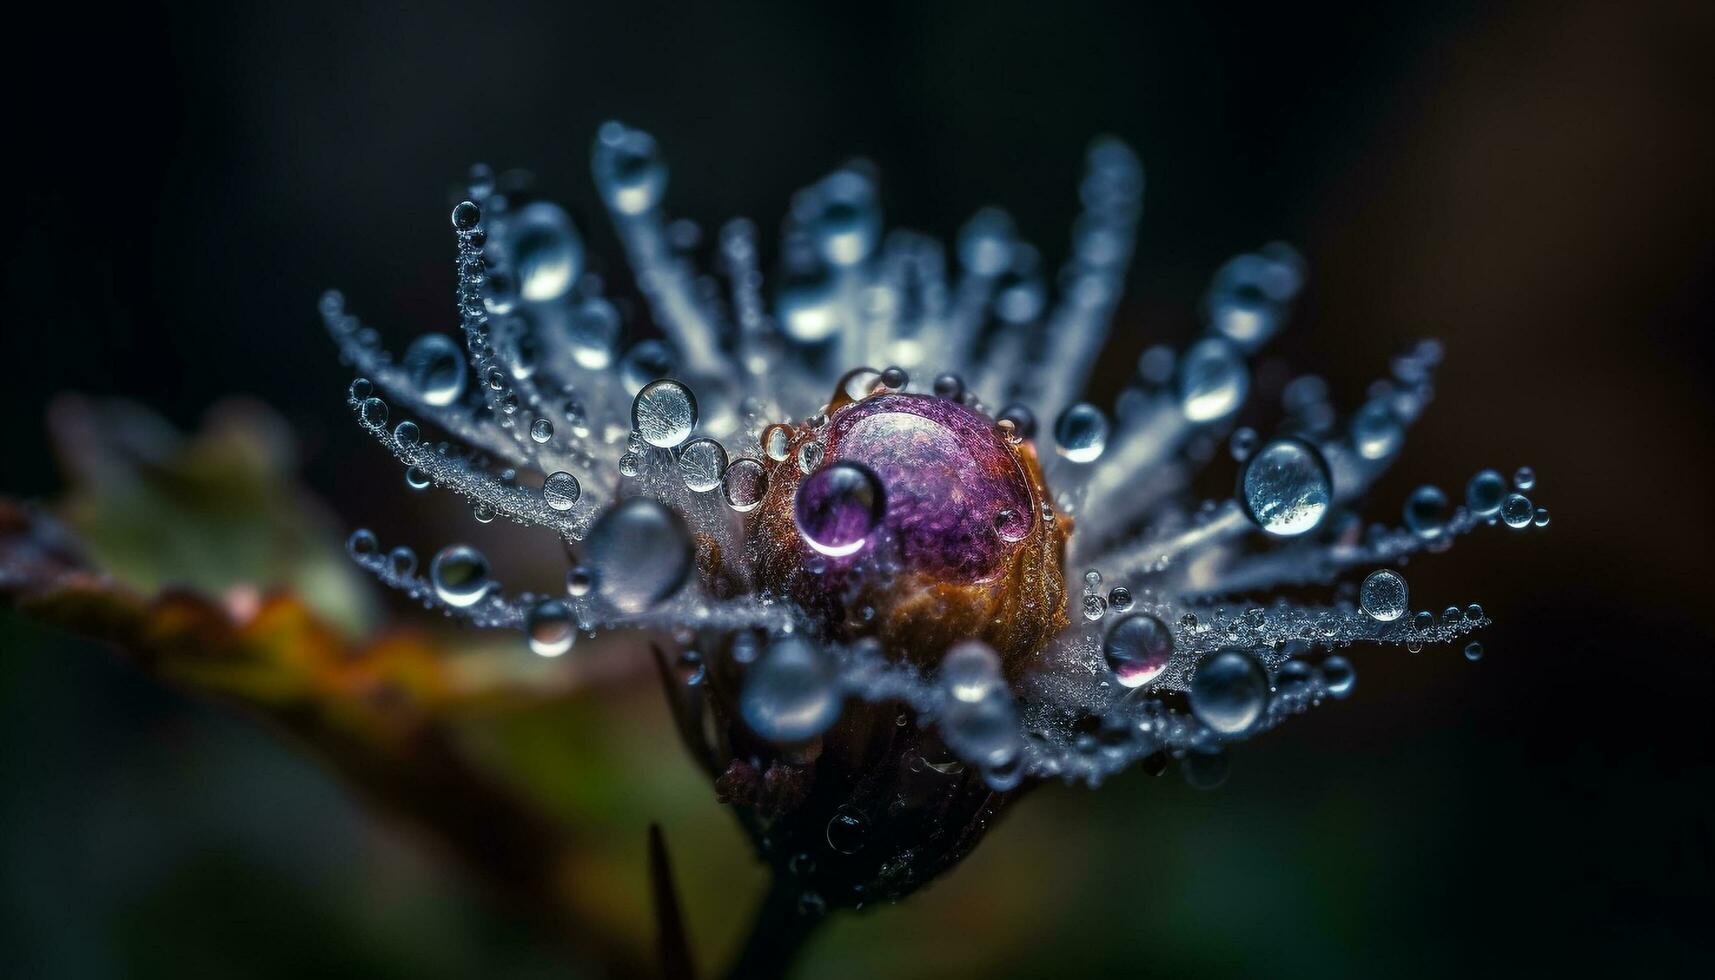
[{"x": 1530, "y": 182}]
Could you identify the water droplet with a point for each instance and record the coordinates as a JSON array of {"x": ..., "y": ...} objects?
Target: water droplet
[
  {"x": 847, "y": 222},
  {"x": 466, "y": 215},
  {"x": 1484, "y": 493},
  {"x": 743, "y": 484},
  {"x": 985, "y": 732},
  {"x": 407, "y": 434},
  {"x": 790, "y": 694},
  {"x": 777, "y": 441},
  {"x": 895, "y": 379},
  {"x": 1383, "y": 595},
  {"x": 541, "y": 431},
  {"x": 372, "y": 412},
  {"x": 580, "y": 581},
  {"x": 550, "y": 628},
  {"x": 1243, "y": 442},
  {"x": 702, "y": 462},
  {"x": 664, "y": 413},
  {"x": 1541, "y": 518},
  {"x": 359, "y": 389},
  {"x": 1081, "y": 433},
  {"x": 545, "y": 251},
  {"x": 1525, "y": 478},
  {"x": 971, "y": 671},
  {"x": 402, "y": 561},
  {"x": 1426, "y": 511},
  {"x": 1095, "y": 607},
  {"x": 1137, "y": 649},
  {"x": 1376, "y": 431},
  {"x": 640, "y": 553},
  {"x": 848, "y": 830},
  {"x": 985, "y": 242},
  {"x": 1120, "y": 598},
  {"x": 1286, "y": 487},
  {"x": 1473, "y": 651},
  {"x": 810, "y": 456},
  {"x": 1423, "y": 621},
  {"x": 628, "y": 169},
  {"x": 1293, "y": 679},
  {"x": 1213, "y": 380},
  {"x": 362, "y": 543},
  {"x": 416, "y": 479},
  {"x": 459, "y": 574},
  {"x": 561, "y": 491},
  {"x": 1474, "y": 612},
  {"x": 1229, "y": 691},
  {"x": 838, "y": 506},
  {"x": 1338, "y": 676},
  {"x": 646, "y": 361},
  {"x": 949, "y": 386},
  {"x": 483, "y": 512},
  {"x": 1516, "y": 510},
  {"x": 436, "y": 366}
]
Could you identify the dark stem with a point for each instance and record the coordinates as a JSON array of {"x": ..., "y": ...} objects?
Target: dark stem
[{"x": 777, "y": 934}]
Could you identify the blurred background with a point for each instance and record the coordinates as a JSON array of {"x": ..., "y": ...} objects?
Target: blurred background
[{"x": 1533, "y": 183}]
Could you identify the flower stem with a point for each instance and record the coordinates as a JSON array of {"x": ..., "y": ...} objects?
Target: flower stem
[{"x": 777, "y": 934}]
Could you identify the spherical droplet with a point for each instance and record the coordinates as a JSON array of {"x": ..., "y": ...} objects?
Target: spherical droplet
[
  {"x": 362, "y": 543},
  {"x": 1229, "y": 691},
  {"x": 1137, "y": 649},
  {"x": 628, "y": 169},
  {"x": 984, "y": 732},
  {"x": 1525, "y": 478},
  {"x": 459, "y": 574},
  {"x": 1338, "y": 676},
  {"x": 1095, "y": 607},
  {"x": 1484, "y": 493},
  {"x": 1516, "y": 510},
  {"x": 664, "y": 413},
  {"x": 640, "y": 553},
  {"x": 561, "y": 490},
  {"x": 372, "y": 412},
  {"x": 1286, "y": 487},
  {"x": 743, "y": 484},
  {"x": 847, "y": 830},
  {"x": 970, "y": 671},
  {"x": 1213, "y": 380},
  {"x": 545, "y": 251},
  {"x": 791, "y": 693},
  {"x": 838, "y": 506},
  {"x": 550, "y": 628},
  {"x": 436, "y": 366},
  {"x": 777, "y": 441},
  {"x": 1541, "y": 518},
  {"x": 466, "y": 215},
  {"x": 1081, "y": 433},
  {"x": 1426, "y": 512},
  {"x": 541, "y": 431},
  {"x": 1473, "y": 651},
  {"x": 416, "y": 479},
  {"x": 1376, "y": 431},
  {"x": 580, "y": 581},
  {"x": 1383, "y": 595},
  {"x": 702, "y": 463}
]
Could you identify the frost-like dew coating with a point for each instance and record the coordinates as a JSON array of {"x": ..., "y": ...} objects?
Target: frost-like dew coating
[{"x": 860, "y": 480}]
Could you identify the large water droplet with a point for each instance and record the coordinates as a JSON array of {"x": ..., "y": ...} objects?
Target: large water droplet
[
  {"x": 1213, "y": 380},
  {"x": 1081, "y": 433},
  {"x": 1484, "y": 493},
  {"x": 1426, "y": 511},
  {"x": 459, "y": 574},
  {"x": 1383, "y": 595},
  {"x": 664, "y": 413},
  {"x": 1229, "y": 692},
  {"x": 436, "y": 367},
  {"x": 628, "y": 169},
  {"x": 838, "y": 506},
  {"x": 639, "y": 552},
  {"x": 545, "y": 251},
  {"x": 1137, "y": 649},
  {"x": 1516, "y": 510},
  {"x": 549, "y": 628},
  {"x": 743, "y": 484},
  {"x": 1286, "y": 487},
  {"x": 701, "y": 464},
  {"x": 970, "y": 671},
  {"x": 561, "y": 490},
  {"x": 790, "y": 694}
]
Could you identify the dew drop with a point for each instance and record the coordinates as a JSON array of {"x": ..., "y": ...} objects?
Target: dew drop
[
  {"x": 1383, "y": 595},
  {"x": 777, "y": 441},
  {"x": 416, "y": 479},
  {"x": 541, "y": 431},
  {"x": 436, "y": 366},
  {"x": 1473, "y": 651},
  {"x": 372, "y": 412},
  {"x": 561, "y": 491},
  {"x": 838, "y": 506},
  {"x": 810, "y": 456},
  {"x": 1286, "y": 488},
  {"x": 580, "y": 581},
  {"x": 664, "y": 413},
  {"x": 362, "y": 543},
  {"x": 1229, "y": 691},
  {"x": 628, "y": 169},
  {"x": 1137, "y": 649},
  {"x": 1376, "y": 431},
  {"x": 407, "y": 434},
  {"x": 640, "y": 553},
  {"x": 1516, "y": 510},
  {"x": 402, "y": 561},
  {"x": 459, "y": 574},
  {"x": 702, "y": 463},
  {"x": 1483, "y": 495},
  {"x": 546, "y": 253},
  {"x": 1338, "y": 676},
  {"x": 1213, "y": 380},
  {"x": 1426, "y": 512},
  {"x": 1095, "y": 607},
  {"x": 847, "y": 830},
  {"x": 1525, "y": 478},
  {"x": 743, "y": 484},
  {"x": 971, "y": 671},
  {"x": 550, "y": 628},
  {"x": 790, "y": 693},
  {"x": 1081, "y": 433}
]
